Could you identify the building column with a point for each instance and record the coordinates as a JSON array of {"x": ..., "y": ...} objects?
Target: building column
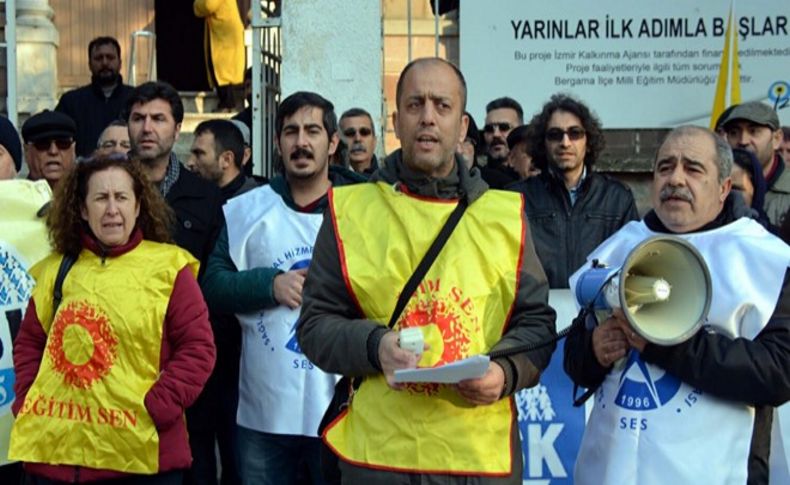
[
  {"x": 37, "y": 65},
  {"x": 335, "y": 48}
]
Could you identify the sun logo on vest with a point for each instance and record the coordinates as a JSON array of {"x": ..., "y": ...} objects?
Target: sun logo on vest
[
  {"x": 82, "y": 345},
  {"x": 437, "y": 316},
  {"x": 640, "y": 390}
]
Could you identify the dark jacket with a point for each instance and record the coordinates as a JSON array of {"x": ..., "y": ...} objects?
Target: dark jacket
[
  {"x": 242, "y": 183},
  {"x": 197, "y": 204},
  {"x": 221, "y": 391},
  {"x": 777, "y": 199},
  {"x": 228, "y": 290},
  {"x": 335, "y": 337},
  {"x": 563, "y": 234},
  {"x": 498, "y": 176},
  {"x": 92, "y": 112},
  {"x": 749, "y": 371}
]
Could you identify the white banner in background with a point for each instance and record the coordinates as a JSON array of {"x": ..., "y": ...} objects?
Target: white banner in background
[{"x": 637, "y": 64}]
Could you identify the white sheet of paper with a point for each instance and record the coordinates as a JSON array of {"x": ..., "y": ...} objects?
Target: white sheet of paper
[{"x": 469, "y": 368}]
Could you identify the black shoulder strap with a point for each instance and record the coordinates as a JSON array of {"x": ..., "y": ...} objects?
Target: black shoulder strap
[
  {"x": 57, "y": 294},
  {"x": 428, "y": 259}
]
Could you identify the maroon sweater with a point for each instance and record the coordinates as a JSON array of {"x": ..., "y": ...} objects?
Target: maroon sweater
[{"x": 186, "y": 360}]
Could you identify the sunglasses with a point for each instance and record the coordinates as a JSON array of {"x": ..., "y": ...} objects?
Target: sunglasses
[
  {"x": 61, "y": 143},
  {"x": 556, "y": 134},
  {"x": 503, "y": 127},
  {"x": 110, "y": 144},
  {"x": 352, "y": 132}
]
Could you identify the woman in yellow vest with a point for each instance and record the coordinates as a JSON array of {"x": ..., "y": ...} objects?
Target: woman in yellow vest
[{"x": 103, "y": 377}]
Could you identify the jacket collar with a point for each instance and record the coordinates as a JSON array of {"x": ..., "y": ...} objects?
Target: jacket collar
[
  {"x": 99, "y": 90},
  {"x": 338, "y": 175},
  {"x": 729, "y": 213},
  {"x": 458, "y": 184},
  {"x": 92, "y": 244}
]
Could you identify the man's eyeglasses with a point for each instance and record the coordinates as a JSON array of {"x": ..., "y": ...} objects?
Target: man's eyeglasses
[
  {"x": 352, "y": 132},
  {"x": 110, "y": 144},
  {"x": 61, "y": 143},
  {"x": 556, "y": 134},
  {"x": 503, "y": 127}
]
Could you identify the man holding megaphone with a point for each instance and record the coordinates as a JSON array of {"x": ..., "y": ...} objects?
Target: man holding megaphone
[{"x": 686, "y": 378}]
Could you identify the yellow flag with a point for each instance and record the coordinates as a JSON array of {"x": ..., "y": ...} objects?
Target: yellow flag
[{"x": 729, "y": 73}]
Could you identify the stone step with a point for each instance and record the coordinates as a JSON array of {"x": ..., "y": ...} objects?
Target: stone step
[{"x": 199, "y": 101}]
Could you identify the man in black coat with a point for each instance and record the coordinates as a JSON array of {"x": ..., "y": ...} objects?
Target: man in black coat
[
  {"x": 97, "y": 104},
  {"x": 571, "y": 209},
  {"x": 154, "y": 112}
]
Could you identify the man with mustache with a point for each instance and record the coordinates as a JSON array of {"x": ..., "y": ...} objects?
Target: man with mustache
[
  {"x": 49, "y": 146},
  {"x": 359, "y": 134},
  {"x": 484, "y": 291},
  {"x": 97, "y": 104},
  {"x": 699, "y": 410},
  {"x": 502, "y": 116},
  {"x": 257, "y": 271},
  {"x": 571, "y": 208}
]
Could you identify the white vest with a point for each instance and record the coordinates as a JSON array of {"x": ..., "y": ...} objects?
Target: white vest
[
  {"x": 280, "y": 390},
  {"x": 647, "y": 427}
]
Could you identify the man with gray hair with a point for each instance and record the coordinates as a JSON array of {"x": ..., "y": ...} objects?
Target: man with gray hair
[
  {"x": 657, "y": 405},
  {"x": 359, "y": 134}
]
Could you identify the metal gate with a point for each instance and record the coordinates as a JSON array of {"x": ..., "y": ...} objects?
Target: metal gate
[{"x": 266, "y": 63}]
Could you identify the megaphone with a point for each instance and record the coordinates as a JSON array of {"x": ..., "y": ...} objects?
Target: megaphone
[{"x": 663, "y": 288}]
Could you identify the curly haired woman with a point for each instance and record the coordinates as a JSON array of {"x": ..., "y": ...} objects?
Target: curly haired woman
[{"x": 103, "y": 377}]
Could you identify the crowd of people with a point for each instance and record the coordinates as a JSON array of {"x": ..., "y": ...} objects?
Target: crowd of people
[{"x": 191, "y": 322}]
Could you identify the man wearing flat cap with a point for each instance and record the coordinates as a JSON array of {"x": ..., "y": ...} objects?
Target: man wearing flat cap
[
  {"x": 754, "y": 126},
  {"x": 49, "y": 145}
]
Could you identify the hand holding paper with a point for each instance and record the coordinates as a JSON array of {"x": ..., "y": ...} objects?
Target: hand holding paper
[{"x": 469, "y": 368}]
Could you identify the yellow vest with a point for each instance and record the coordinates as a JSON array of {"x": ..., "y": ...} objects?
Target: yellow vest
[
  {"x": 463, "y": 305},
  {"x": 85, "y": 406},
  {"x": 23, "y": 242}
]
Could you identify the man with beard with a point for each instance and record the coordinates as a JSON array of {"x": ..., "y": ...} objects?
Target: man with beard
[
  {"x": 257, "y": 271},
  {"x": 754, "y": 126},
  {"x": 94, "y": 106},
  {"x": 502, "y": 116},
  {"x": 571, "y": 208},
  {"x": 698, "y": 411},
  {"x": 217, "y": 155},
  {"x": 154, "y": 113},
  {"x": 359, "y": 134}
]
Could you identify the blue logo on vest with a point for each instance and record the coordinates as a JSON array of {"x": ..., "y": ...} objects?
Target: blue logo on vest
[
  {"x": 641, "y": 391},
  {"x": 293, "y": 344},
  {"x": 302, "y": 264}
]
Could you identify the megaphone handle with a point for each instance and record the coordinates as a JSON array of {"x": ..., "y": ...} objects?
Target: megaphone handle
[{"x": 577, "y": 324}]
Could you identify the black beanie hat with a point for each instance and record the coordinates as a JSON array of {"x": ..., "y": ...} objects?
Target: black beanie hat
[{"x": 9, "y": 138}]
